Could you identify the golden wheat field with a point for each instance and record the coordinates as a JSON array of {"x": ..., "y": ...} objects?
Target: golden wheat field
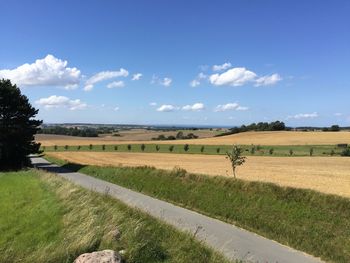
[
  {"x": 245, "y": 138},
  {"x": 329, "y": 175}
]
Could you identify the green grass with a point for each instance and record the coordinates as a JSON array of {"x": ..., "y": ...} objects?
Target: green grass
[
  {"x": 278, "y": 150},
  {"x": 44, "y": 218},
  {"x": 310, "y": 221}
]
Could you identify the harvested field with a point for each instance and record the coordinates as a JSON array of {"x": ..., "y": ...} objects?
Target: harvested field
[
  {"x": 325, "y": 174},
  {"x": 245, "y": 138}
]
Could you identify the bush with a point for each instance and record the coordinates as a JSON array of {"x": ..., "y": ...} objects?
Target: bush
[
  {"x": 217, "y": 150},
  {"x": 79, "y": 147},
  {"x": 171, "y": 148},
  {"x": 143, "y": 147},
  {"x": 66, "y": 147},
  {"x": 290, "y": 152},
  {"x": 345, "y": 152},
  {"x": 129, "y": 147},
  {"x": 202, "y": 149},
  {"x": 116, "y": 148},
  {"x": 157, "y": 148},
  {"x": 252, "y": 150},
  {"x": 103, "y": 147},
  {"x": 90, "y": 146},
  {"x": 186, "y": 147},
  {"x": 55, "y": 147},
  {"x": 271, "y": 151},
  {"x": 311, "y": 151}
]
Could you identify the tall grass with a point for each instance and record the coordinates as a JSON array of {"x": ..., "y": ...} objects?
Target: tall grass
[
  {"x": 44, "y": 218},
  {"x": 307, "y": 220}
]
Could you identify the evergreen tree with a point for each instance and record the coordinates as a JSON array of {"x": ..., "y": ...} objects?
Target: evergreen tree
[{"x": 17, "y": 127}]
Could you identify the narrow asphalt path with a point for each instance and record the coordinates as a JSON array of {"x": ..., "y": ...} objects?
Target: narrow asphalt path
[{"x": 233, "y": 242}]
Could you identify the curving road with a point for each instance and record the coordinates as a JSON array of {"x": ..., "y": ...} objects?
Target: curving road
[{"x": 233, "y": 242}]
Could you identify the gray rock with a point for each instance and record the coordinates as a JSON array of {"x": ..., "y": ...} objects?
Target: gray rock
[{"x": 105, "y": 256}]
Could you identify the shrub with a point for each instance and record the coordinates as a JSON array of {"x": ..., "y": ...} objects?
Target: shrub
[
  {"x": 66, "y": 147},
  {"x": 103, "y": 147},
  {"x": 90, "y": 146},
  {"x": 55, "y": 147},
  {"x": 202, "y": 149},
  {"x": 252, "y": 150},
  {"x": 116, "y": 148},
  {"x": 78, "y": 148},
  {"x": 217, "y": 150},
  {"x": 186, "y": 147},
  {"x": 171, "y": 148},
  {"x": 157, "y": 148},
  {"x": 271, "y": 151},
  {"x": 129, "y": 147},
  {"x": 235, "y": 158},
  {"x": 345, "y": 152},
  {"x": 290, "y": 152},
  {"x": 143, "y": 147},
  {"x": 311, "y": 151}
]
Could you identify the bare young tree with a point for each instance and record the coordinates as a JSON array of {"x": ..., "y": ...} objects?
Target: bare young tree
[{"x": 236, "y": 158}]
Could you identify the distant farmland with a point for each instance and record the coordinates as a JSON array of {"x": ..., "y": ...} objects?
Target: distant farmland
[{"x": 245, "y": 138}]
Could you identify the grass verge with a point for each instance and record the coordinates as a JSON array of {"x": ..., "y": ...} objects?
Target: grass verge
[
  {"x": 307, "y": 220},
  {"x": 44, "y": 218}
]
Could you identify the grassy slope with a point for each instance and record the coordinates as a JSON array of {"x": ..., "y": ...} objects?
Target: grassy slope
[
  {"x": 46, "y": 219},
  {"x": 307, "y": 220},
  {"x": 278, "y": 150}
]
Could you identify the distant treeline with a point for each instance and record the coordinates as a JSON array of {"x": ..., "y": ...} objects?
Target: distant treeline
[
  {"x": 82, "y": 132},
  {"x": 260, "y": 126},
  {"x": 179, "y": 136}
]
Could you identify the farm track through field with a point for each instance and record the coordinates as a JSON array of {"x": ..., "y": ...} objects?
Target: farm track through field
[{"x": 329, "y": 175}]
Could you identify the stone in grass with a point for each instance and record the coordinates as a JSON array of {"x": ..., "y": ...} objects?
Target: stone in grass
[{"x": 105, "y": 256}]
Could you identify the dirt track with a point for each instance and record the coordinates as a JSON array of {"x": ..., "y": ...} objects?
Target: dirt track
[{"x": 326, "y": 174}]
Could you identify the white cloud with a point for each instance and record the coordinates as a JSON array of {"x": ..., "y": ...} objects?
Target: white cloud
[
  {"x": 153, "y": 104},
  {"x": 116, "y": 84},
  {"x": 233, "y": 77},
  {"x": 268, "y": 80},
  {"x": 338, "y": 114},
  {"x": 229, "y": 107},
  {"x": 136, "y": 76},
  {"x": 49, "y": 71},
  {"x": 104, "y": 75},
  {"x": 116, "y": 108},
  {"x": 222, "y": 67},
  {"x": 194, "y": 83},
  {"x": 167, "y": 108},
  {"x": 61, "y": 102},
  {"x": 197, "y": 81},
  {"x": 166, "y": 82},
  {"x": 195, "y": 107},
  {"x": 304, "y": 116}
]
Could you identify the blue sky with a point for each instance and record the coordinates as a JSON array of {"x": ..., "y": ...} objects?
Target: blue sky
[{"x": 201, "y": 62}]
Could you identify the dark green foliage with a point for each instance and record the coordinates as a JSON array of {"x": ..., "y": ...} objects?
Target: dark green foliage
[
  {"x": 311, "y": 151},
  {"x": 17, "y": 127},
  {"x": 252, "y": 150},
  {"x": 171, "y": 148},
  {"x": 129, "y": 147},
  {"x": 217, "y": 150},
  {"x": 186, "y": 147},
  {"x": 143, "y": 146},
  {"x": 345, "y": 152},
  {"x": 116, "y": 147},
  {"x": 85, "y": 132},
  {"x": 90, "y": 147},
  {"x": 271, "y": 151},
  {"x": 66, "y": 147},
  {"x": 79, "y": 147},
  {"x": 290, "y": 152},
  {"x": 202, "y": 149},
  {"x": 103, "y": 147},
  {"x": 261, "y": 126},
  {"x": 157, "y": 148},
  {"x": 55, "y": 147}
]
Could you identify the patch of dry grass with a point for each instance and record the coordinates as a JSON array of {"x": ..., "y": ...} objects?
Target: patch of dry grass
[{"x": 325, "y": 174}]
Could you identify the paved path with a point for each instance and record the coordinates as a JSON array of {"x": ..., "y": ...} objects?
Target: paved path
[{"x": 233, "y": 242}]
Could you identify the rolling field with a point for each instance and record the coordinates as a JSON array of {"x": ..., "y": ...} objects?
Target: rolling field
[
  {"x": 245, "y": 138},
  {"x": 329, "y": 175}
]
